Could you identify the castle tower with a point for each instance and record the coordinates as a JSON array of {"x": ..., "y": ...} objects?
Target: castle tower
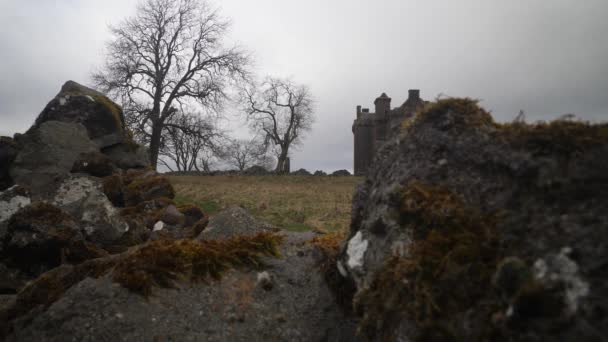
[
  {"x": 371, "y": 130},
  {"x": 383, "y": 107},
  {"x": 363, "y": 133}
]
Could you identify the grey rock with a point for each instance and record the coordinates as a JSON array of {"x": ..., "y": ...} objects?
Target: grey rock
[
  {"x": 11, "y": 200},
  {"x": 48, "y": 153},
  {"x": 84, "y": 199},
  {"x": 75, "y": 103},
  {"x": 128, "y": 155},
  {"x": 232, "y": 221}
]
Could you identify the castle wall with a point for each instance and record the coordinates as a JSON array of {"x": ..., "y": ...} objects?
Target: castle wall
[{"x": 364, "y": 153}]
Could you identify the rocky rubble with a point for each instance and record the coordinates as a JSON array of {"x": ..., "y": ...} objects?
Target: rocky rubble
[
  {"x": 93, "y": 246},
  {"x": 469, "y": 230}
]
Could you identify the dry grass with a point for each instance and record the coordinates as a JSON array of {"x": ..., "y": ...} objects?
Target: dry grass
[{"x": 289, "y": 202}]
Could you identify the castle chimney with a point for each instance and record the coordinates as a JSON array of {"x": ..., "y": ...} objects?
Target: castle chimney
[
  {"x": 358, "y": 112},
  {"x": 413, "y": 95}
]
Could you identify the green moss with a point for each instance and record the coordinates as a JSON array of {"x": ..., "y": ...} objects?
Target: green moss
[{"x": 447, "y": 270}]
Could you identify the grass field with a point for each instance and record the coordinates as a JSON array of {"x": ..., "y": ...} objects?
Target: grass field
[{"x": 295, "y": 203}]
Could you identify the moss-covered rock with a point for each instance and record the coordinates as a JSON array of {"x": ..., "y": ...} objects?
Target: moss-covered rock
[
  {"x": 113, "y": 188},
  {"x": 102, "y": 118},
  {"x": 148, "y": 188},
  {"x": 42, "y": 236},
  {"x": 470, "y": 230}
]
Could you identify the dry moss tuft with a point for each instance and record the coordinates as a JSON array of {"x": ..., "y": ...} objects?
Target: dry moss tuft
[
  {"x": 148, "y": 188},
  {"x": 564, "y": 137},
  {"x": 155, "y": 264},
  {"x": 465, "y": 112},
  {"x": 161, "y": 263},
  {"x": 448, "y": 268}
]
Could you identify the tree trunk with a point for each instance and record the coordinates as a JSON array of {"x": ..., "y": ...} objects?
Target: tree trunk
[
  {"x": 155, "y": 144},
  {"x": 282, "y": 161}
]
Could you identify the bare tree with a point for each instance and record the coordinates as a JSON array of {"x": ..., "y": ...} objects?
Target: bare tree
[
  {"x": 169, "y": 55},
  {"x": 186, "y": 140},
  {"x": 245, "y": 153},
  {"x": 282, "y": 111}
]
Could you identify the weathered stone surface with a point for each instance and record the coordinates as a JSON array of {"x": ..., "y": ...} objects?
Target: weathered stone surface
[
  {"x": 11, "y": 200},
  {"x": 298, "y": 307},
  {"x": 470, "y": 193},
  {"x": 95, "y": 164},
  {"x": 101, "y": 222},
  {"x": 48, "y": 153},
  {"x": 75, "y": 103},
  {"x": 8, "y": 152},
  {"x": 83, "y": 197},
  {"x": 232, "y": 221},
  {"x": 128, "y": 155}
]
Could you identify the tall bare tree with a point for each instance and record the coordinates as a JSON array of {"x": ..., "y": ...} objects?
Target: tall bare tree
[
  {"x": 245, "y": 153},
  {"x": 282, "y": 111},
  {"x": 168, "y": 56},
  {"x": 187, "y": 139}
]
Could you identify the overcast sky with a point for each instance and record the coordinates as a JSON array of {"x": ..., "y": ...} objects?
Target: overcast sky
[{"x": 546, "y": 57}]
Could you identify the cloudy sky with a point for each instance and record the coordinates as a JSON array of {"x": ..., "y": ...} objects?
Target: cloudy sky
[{"x": 547, "y": 57}]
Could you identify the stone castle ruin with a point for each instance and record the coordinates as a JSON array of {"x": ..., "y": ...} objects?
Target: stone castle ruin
[{"x": 371, "y": 130}]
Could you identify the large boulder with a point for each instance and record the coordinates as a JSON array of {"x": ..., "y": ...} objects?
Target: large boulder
[
  {"x": 8, "y": 152},
  {"x": 75, "y": 103},
  {"x": 233, "y": 221},
  {"x": 470, "y": 230},
  {"x": 48, "y": 153}
]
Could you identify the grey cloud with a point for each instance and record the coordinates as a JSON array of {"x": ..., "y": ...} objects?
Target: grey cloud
[{"x": 545, "y": 57}]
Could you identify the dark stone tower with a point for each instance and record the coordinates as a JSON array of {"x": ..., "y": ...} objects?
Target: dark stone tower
[{"x": 371, "y": 130}]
